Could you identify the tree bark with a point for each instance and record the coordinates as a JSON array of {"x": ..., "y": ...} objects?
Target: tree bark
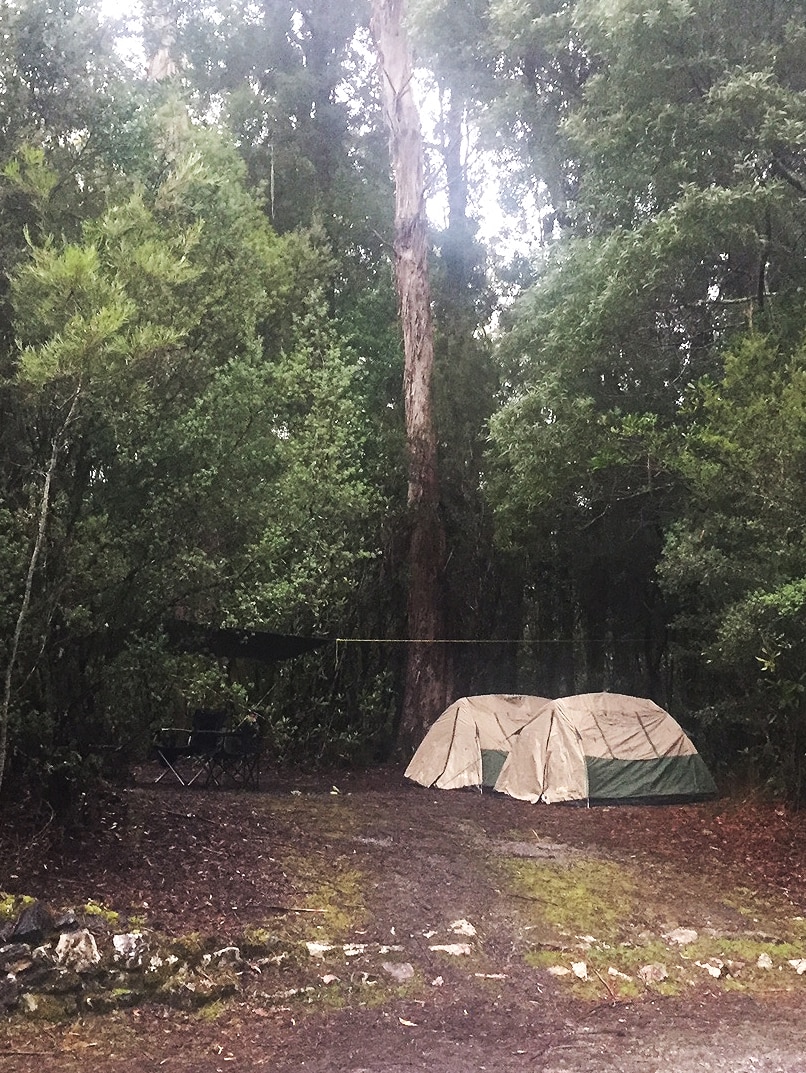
[
  {"x": 426, "y": 684},
  {"x": 457, "y": 245},
  {"x": 160, "y": 24},
  {"x": 39, "y": 543}
]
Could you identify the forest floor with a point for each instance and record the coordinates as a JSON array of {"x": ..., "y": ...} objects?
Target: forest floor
[{"x": 630, "y": 939}]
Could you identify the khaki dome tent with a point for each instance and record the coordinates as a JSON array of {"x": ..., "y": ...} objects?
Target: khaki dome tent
[
  {"x": 603, "y": 746},
  {"x": 471, "y": 739}
]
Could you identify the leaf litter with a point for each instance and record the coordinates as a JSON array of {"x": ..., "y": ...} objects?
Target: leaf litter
[{"x": 612, "y": 890}]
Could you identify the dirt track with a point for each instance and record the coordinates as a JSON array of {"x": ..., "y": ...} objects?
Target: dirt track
[{"x": 380, "y": 872}]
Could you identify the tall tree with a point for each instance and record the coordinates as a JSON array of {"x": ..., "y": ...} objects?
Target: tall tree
[
  {"x": 427, "y": 684},
  {"x": 677, "y": 137},
  {"x": 450, "y": 43}
]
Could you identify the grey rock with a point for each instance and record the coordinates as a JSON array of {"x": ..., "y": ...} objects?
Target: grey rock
[
  {"x": 131, "y": 949},
  {"x": 35, "y": 975},
  {"x": 47, "y": 1007},
  {"x": 77, "y": 950},
  {"x": 14, "y": 956},
  {"x": 34, "y": 923},
  {"x": 653, "y": 974},
  {"x": 66, "y": 922},
  {"x": 227, "y": 956},
  {"x": 399, "y": 971},
  {"x": 9, "y": 992},
  {"x": 55, "y": 981}
]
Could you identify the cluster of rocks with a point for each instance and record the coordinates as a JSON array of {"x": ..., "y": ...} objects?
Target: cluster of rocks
[
  {"x": 54, "y": 966},
  {"x": 657, "y": 972}
]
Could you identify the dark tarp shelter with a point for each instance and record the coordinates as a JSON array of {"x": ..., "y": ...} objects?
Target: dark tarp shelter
[{"x": 239, "y": 644}]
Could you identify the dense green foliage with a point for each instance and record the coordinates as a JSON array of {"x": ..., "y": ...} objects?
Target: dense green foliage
[
  {"x": 675, "y": 200},
  {"x": 213, "y": 465},
  {"x": 200, "y": 368}
]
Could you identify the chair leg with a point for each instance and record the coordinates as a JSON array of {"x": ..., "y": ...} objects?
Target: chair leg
[
  {"x": 215, "y": 769},
  {"x": 203, "y": 770},
  {"x": 168, "y": 767},
  {"x": 251, "y": 772}
]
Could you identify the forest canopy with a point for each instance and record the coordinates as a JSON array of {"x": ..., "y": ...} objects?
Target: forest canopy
[{"x": 203, "y": 393}]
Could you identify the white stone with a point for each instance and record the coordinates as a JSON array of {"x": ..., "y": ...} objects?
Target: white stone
[
  {"x": 318, "y": 950},
  {"x": 455, "y": 949},
  {"x": 399, "y": 971},
  {"x": 77, "y": 950},
  {"x": 130, "y": 948},
  {"x": 682, "y": 936},
  {"x": 463, "y": 927},
  {"x": 127, "y": 944},
  {"x": 714, "y": 967},
  {"x": 654, "y": 973},
  {"x": 227, "y": 955},
  {"x": 618, "y": 975}
]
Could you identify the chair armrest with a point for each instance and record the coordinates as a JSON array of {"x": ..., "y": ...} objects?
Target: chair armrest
[{"x": 172, "y": 737}]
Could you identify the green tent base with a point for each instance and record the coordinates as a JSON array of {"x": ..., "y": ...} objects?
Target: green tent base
[
  {"x": 685, "y": 778},
  {"x": 492, "y": 760}
]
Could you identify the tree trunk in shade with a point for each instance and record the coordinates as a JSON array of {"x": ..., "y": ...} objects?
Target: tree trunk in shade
[{"x": 427, "y": 679}]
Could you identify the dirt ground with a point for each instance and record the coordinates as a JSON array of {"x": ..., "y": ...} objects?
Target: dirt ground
[{"x": 558, "y": 912}]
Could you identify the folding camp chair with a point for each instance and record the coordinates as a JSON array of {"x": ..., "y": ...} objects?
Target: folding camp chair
[
  {"x": 199, "y": 745},
  {"x": 236, "y": 761},
  {"x": 169, "y": 747}
]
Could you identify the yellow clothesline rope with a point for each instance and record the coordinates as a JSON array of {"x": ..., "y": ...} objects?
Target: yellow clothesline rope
[
  {"x": 465, "y": 641},
  {"x": 415, "y": 641}
]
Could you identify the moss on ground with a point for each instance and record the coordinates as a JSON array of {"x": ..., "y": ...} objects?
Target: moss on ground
[
  {"x": 331, "y": 905},
  {"x": 615, "y": 920},
  {"x": 339, "y": 896},
  {"x": 11, "y": 905},
  {"x": 95, "y": 909},
  {"x": 579, "y": 897}
]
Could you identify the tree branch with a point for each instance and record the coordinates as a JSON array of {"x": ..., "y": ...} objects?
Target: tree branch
[{"x": 44, "y": 509}]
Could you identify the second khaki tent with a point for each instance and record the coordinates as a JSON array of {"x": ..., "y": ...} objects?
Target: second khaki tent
[{"x": 603, "y": 747}]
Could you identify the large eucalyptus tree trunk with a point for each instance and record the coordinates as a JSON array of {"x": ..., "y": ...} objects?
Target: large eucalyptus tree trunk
[
  {"x": 427, "y": 683},
  {"x": 159, "y": 18}
]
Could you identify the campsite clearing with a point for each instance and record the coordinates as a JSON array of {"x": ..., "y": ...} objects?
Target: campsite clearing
[{"x": 414, "y": 929}]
